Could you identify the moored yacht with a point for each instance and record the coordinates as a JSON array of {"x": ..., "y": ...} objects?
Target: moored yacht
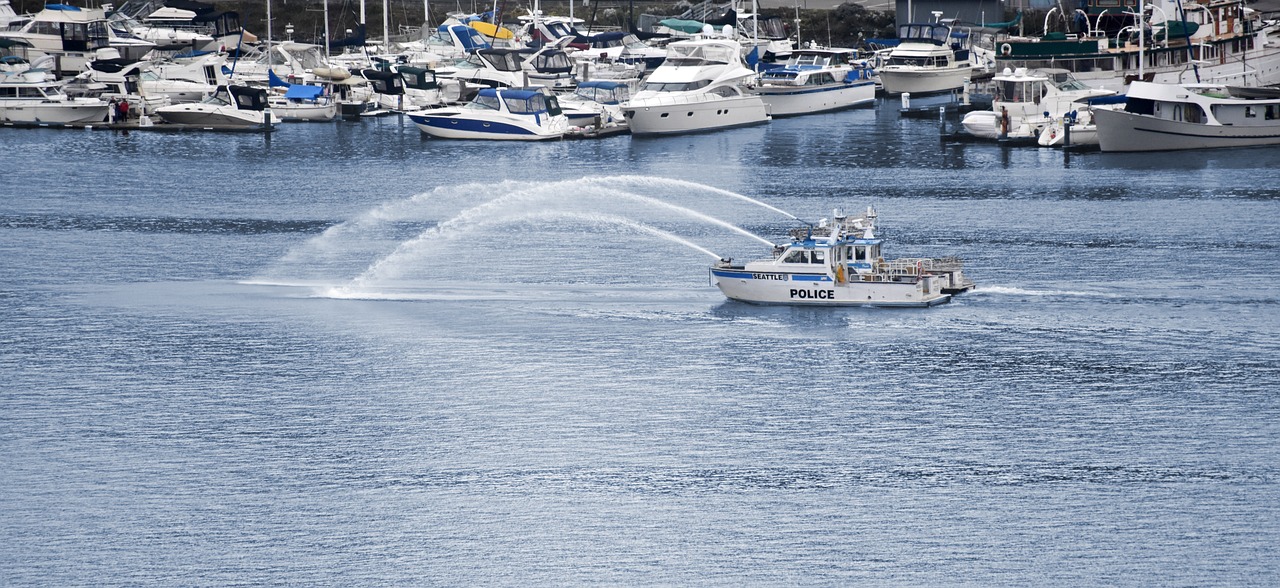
[
  {"x": 816, "y": 80},
  {"x": 32, "y": 96},
  {"x": 230, "y": 106},
  {"x": 1160, "y": 117},
  {"x": 1025, "y": 102},
  {"x": 504, "y": 114},
  {"x": 700, "y": 87},
  {"x": 840, "y": 263},
  {"x": 926, "y": 61}
]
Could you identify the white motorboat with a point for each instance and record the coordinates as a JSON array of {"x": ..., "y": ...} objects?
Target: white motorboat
[
  {"x": 926, "y": 61},
  {"x": 839, "y": 263},
  {"x": 1078, "y": 128},
  {"x": 304, "y": 103},
  {"x": 1025, "y": 102},
  {"x": 816, "y": 80},
  {"x": 504, "y": 114},
  {"x": 596, "y": 103},
  {"x": 1163, "y": 117},
  {"x": 33, "y": 96},
  {"x": 229, "y": 106},
  {"x": 71, "y": 35},
  {"x": 700, "y": 87}
]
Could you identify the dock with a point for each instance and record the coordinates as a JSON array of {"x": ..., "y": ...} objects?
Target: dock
[{"x": 135, "y": 125}]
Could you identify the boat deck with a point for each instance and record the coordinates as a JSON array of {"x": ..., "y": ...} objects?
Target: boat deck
[{"x": 135, "y": 126}]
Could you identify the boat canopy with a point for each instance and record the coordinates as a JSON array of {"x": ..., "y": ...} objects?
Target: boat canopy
[
  {"x": 685, "y": 26},
  {"x": 700, "y": 52},
  {"x": 555, "y": 62},
  {"x": 303, "y": 92},
  {"x": 517, "y": 101},
  {"x": 418, "y": 78},
  {"x": 924, "y": 33},
  {"x": 603, "y": 91}
]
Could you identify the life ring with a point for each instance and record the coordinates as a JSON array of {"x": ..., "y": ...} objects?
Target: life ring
[{"x": 1006, "y": 49}]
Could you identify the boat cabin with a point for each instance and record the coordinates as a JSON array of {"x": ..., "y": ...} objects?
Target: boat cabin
[
  {"x": 516, "y": 101},
  {"x": 603, "y": 91},
  {"x": 384, "y": 82},
  {"x": 242, "y": 97},
  {"x": 497, "y": 59},
  {"x": 418, "y": 78}
]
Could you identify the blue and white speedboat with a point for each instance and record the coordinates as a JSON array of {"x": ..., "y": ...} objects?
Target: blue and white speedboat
[
  {"x": 839, "y": 263},
  {"x": 816, "y": 80},
  {"x": 503, "y": 114}
]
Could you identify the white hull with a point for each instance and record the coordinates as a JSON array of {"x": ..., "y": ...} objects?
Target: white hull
[
  {"x": 1055, "y": 136},
  {"x": 702, "y": 112},
  {"x": 201, "y": 115},
  {"x": 923, "y": 80},
  {"x": 57, "y": 112},
  {"x": 822, "y": 290},
  {"x": 458, "y": 126},
  {"x": 791, "y": 101},
  {"x": 1124, "y": 131},
  {"x": 305, "y": 112},
  {"x": 985, "y": 124}
]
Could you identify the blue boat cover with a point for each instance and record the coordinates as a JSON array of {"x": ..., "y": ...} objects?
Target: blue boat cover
[
  {"x": 1117, "y": 99},
  {"x": 274, "y": 80},
  {"x": 65, "y": 7},
  {"x": 303, "y": 92},
  {"x": 517, "y": 94}
]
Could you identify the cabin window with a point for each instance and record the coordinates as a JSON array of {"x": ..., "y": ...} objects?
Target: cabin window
[
  {"x": 859, "y": 253},
  {"x": 1271, "y": 112},
  {"x": 817, "y": 257},
  {"x": 797, "y": 256},
  {"x": 1249, "y": 112}
]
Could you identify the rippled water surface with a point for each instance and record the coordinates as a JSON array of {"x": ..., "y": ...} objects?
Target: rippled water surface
[{"x": 348, "y": 355}]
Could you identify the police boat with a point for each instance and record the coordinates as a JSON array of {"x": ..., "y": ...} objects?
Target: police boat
[{"x": 840, "y": 263}]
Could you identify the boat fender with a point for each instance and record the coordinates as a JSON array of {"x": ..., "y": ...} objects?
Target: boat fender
[{"x": 1006, "y": 49}]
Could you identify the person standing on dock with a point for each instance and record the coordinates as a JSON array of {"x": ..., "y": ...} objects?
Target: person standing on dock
[{"x": 122, "y": 111}]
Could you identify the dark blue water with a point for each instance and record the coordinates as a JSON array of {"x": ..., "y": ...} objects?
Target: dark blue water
[{"x": 348, "y": 355}]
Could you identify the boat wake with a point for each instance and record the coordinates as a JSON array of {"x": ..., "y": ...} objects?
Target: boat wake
[
  {"x": 1015, "y": 291},
  {"x": 615, "y": 230}
]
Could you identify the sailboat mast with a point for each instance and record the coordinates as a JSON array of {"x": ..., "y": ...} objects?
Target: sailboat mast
[
  {"x": 327, "y": 40},
  {"x": 386, "y": 28},
  {"x": 269, "y": 56}
]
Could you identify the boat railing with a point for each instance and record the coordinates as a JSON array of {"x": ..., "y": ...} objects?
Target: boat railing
[{"x": 914, "y": 266}]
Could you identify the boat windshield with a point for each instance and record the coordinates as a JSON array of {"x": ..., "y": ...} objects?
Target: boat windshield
[
  {"x": 676, "y": 86},
  {"x": 534, "y": 104},
  {"x": 633, "y": 42},
  {"x": 485, "y": 102},
  {"x": 219, "y": 98},
  {"x": 930, "y": 61},
  {"x": 602, "y": 95},
  {"x": 923, "y": 33},
  {"x": 679, "y": 54},
  {"x": 502, "y": 61}
]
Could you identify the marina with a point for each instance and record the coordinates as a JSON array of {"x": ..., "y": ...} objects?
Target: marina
[{"x": 350, "y": 353}]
